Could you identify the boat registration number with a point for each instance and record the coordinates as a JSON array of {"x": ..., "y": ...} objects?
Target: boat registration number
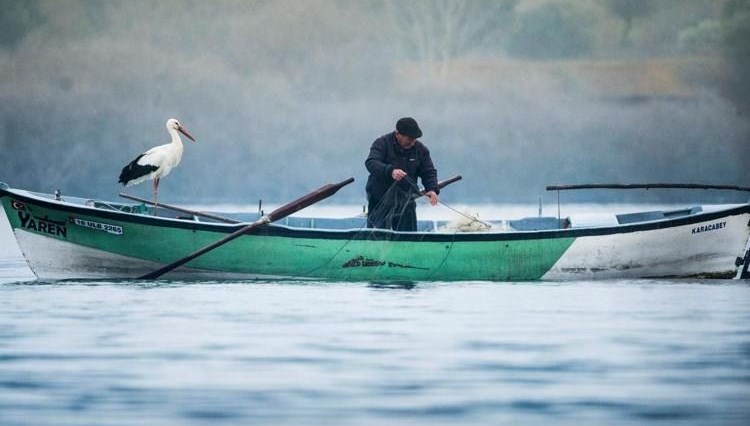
[{"x": 112, "y": 229}]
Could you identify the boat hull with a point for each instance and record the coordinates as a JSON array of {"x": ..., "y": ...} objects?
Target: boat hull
[
  {"x": 62, "y": 240},
  {"x": 706, "y": 248}
]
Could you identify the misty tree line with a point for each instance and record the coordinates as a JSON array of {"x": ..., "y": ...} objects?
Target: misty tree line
[
  {"x": 298, "y": 90},
  {"x": 420, "y": 30}
]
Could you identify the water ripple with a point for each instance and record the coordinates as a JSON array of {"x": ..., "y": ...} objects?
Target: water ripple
[{"x": 177, "y": 353}]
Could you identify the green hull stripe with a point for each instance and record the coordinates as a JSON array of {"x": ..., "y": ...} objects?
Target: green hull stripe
[{"x": 334, "y": 259}]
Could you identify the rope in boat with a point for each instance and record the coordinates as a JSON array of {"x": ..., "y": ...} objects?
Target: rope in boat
[{"x": 472, "y": 218}]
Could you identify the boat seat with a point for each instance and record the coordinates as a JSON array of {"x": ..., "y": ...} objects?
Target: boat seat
[
  {"x": 126, "y": 208},
  {"x": 656, "y": 215},
  {"x": 539, "y": 223},
  {"x": 342, "y": 223},
  {"x": 324, "y": 223}
]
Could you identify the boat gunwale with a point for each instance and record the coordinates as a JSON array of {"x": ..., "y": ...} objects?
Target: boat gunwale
[{"x": 278, "y": 230}]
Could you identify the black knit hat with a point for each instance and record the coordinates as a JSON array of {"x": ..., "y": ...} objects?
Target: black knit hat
[{"x": 408, "y": 126}]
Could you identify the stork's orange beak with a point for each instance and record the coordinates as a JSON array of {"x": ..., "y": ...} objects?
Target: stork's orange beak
[{"x": 185, "y": 132}]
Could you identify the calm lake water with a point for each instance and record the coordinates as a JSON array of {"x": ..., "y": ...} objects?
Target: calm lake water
[{"x": 283, "y": 352}]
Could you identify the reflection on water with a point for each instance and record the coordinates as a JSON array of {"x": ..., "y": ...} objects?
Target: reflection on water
[{"x": 403, "y": 285}]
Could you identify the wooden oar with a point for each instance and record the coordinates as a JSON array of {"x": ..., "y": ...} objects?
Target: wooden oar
[
  {"x": 181, "y": 209},
  {"x": 646, "y": 186},
  {"x": 442, "y": 184},
  {"x": 321, "y": 193}
]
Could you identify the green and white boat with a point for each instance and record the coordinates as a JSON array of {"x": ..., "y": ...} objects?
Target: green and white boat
[{"x": 70, "y": 238}]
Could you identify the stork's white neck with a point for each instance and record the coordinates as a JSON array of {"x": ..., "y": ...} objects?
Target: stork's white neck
[{"x": 175, "y": 136}]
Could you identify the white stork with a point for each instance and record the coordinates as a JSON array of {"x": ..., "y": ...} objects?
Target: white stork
[{"x": 157, "y": 162}]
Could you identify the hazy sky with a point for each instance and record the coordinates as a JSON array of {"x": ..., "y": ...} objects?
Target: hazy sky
[{"x": 284, "y": 96}]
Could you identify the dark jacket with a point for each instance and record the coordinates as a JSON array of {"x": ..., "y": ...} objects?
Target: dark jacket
[{"x": 386, "y": 154}]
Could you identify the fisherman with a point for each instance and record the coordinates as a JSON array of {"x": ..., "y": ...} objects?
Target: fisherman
[{"x": 396, "y": 160}]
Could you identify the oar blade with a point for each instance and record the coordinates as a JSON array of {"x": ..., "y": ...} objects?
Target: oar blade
[
  {"x": 319, "y": 194},
  {"x": 442, "y": 184}
]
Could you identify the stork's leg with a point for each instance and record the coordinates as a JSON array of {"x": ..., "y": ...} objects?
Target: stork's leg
[{"x": 156, "y": 194}]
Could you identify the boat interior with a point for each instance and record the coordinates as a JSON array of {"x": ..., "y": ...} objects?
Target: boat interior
[{"x": 357, "y": 222}]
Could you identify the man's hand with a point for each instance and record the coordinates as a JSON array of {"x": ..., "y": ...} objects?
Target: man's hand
[
  {"x": 398, "y": 174},
  {"x": 433, "y": 197}
]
